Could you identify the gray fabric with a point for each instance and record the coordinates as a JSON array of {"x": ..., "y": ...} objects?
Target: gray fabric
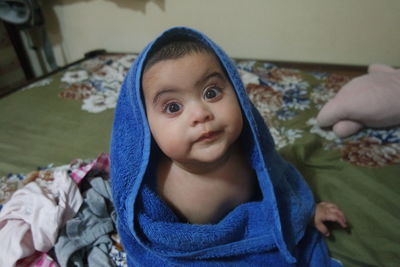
[{"x": 87, "y": 235}]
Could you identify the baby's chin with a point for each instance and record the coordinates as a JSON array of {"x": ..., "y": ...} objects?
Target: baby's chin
[{"x": 205, "y": 161}]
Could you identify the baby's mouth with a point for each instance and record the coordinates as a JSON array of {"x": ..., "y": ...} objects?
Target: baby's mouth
[{"x": 208, "y": 136}]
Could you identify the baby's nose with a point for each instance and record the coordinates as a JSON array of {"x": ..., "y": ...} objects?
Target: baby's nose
[{"x": 200, "y": 114}]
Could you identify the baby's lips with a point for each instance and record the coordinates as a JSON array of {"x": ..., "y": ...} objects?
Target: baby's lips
[{"x": 208, "y": 135}]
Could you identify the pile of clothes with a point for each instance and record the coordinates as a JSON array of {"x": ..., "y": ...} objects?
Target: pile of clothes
[{"x": 61, "y": 217}]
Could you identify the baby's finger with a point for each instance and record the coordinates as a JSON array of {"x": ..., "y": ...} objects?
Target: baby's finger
[
  {"x": 322, "y": 229},
  {"x": 342, "y": 221},
  {"x": 340, "y": 218},
  {"x": 336, "y": 217},
  {"x": 327, "y": 204}
]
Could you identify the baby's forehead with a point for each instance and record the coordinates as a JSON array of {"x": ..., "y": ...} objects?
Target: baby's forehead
[
  {"x": 201, "y": 54},
  {"x": 174, "y": 48},
  {"x": 207, "y": 59}
]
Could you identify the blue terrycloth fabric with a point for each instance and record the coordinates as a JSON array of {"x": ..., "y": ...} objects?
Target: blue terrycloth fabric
[{"x": 272, "y": 231}]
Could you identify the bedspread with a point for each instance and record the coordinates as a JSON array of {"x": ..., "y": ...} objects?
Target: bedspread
[{"x": 68, "y": 116}]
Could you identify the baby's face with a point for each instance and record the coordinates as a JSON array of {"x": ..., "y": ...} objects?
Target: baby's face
[{"x": 192, "y": 109}]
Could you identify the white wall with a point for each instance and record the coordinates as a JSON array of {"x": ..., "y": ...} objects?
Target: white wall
[{"x": 338, "y": 31}]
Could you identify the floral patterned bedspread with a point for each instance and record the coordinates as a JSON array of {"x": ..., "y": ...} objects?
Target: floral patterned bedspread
[
  {"x": 283, "y": 94},
  {"x": 360, "y": 173},
  {"x": 280, "y": 94}
]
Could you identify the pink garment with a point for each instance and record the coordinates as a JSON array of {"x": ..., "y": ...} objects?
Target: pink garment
[
  {"x": 31, "y": 219},
  {"x": 38, "y": 259},
  {"x": 102, "y": 162}
]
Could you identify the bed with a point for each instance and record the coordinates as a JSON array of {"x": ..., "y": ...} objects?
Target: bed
[{"x": 63, "y": 122}]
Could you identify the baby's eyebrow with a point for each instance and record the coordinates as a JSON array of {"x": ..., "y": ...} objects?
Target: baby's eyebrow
[
  {"x": 161, "y": 92},
  {"x": 215, "y": 74}
]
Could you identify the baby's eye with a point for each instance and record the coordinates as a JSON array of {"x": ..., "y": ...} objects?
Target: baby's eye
[
  {"x": 172, "y": 108},
  {"x": 211, "y": 93}
]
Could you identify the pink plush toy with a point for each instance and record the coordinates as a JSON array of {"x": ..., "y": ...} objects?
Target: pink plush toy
[{"x": 371, "y": 100}]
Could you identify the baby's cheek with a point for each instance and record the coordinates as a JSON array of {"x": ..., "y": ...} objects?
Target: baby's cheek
[
  {"x": 235, "y": 122},
  {"x": 174, "y": 152},
  {"x": 170, "y": 142}
]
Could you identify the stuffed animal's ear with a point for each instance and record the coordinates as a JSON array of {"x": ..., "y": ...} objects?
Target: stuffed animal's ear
[{"x": 380, "y": 68}]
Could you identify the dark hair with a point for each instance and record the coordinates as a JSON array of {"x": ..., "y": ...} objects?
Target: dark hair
[{"x": 174, "y": 49}]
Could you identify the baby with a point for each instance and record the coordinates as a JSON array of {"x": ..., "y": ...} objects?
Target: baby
[
  {"x": 196, "y": 121},
  {"x": 203, "y": 166}
]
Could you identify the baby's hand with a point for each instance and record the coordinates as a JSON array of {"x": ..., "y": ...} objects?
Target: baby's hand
[{"x": 326, "y": 211}]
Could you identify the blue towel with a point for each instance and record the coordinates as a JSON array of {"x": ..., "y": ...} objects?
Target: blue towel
[{"x": 272, "y": 231}]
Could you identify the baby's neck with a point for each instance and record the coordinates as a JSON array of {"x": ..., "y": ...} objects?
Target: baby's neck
[
  {"x": 207, "y": 169},
  {"x": 207, "y": 194}
]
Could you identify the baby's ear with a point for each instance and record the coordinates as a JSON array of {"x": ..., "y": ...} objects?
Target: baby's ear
[{"x": 380, "y": 68}]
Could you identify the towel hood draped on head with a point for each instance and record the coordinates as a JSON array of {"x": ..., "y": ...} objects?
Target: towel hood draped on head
[{"x": 273, "y": 230}]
